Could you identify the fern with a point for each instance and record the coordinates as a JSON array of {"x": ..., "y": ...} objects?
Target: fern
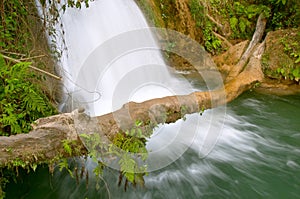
[
  {"x": 34, "y": 101},
  {"x": 21, "y": 102}
]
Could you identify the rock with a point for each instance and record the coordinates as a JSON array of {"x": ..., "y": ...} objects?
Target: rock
[
  {"x": 228, "y": 59},
  {"x": 277, "y": 55}
]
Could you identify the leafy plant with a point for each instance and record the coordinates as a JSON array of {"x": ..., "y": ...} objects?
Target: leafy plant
[
  {"x": 132, "y": 152},
  {"x": 211, "y": 43},
  {"x": 63, "y": 164},
  {"x": 198, "y": 12},
  {"x": 128, "y": 147},
  {"x": 292, "y": 49},
  {"x": 243, "y": 16},
  {"x": 22, "y": 98},
  {"x": 283, "y": 13},
  {"x": 21, "y": 102}
]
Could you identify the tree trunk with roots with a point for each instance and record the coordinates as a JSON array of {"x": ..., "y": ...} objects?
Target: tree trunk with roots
[{"x": 46, "y": 141}]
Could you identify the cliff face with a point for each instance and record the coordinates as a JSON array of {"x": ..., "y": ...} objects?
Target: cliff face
[
  {"x": 171, "y": 14},
  {"x": 281, "y": 59}
]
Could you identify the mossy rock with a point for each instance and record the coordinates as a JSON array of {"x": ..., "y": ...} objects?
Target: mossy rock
[{"x": 281, "y": 59}]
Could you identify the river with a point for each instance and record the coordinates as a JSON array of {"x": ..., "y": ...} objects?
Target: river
[{"x": 257, "y": 156}]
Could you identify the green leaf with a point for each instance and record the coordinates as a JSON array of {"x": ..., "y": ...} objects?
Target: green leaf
[
  {"x": 33, "y": 166},
  {"x": 130, "y": 177},
  {"x": 243, "y": 25},
  {"x": 233, "y": 23},
  {"x": 138, "y": 123},
  {"x": 2, "y": 61},
  {"x": 296, "y": 73},
  {"x": 67, "y": 147}
]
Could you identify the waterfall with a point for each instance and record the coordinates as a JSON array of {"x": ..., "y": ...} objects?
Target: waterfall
[
  {"x": 112, "y": 58},
  {"x": 257, "y": 155}
]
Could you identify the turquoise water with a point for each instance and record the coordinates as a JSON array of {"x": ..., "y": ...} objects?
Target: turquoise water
[{"x": 257, "y": 156}]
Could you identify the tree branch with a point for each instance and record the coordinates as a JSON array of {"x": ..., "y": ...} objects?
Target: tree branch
[
  {"x": 32, "y": 67},
  {"x": 217, "y": 23},
  {"x": 257, "y": 36},
  {"x": 223, "y": 38}
]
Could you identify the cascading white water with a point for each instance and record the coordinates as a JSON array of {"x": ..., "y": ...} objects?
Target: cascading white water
[
  {"x": 99, "y": 67},
  {"x": 110, "y": 57}
]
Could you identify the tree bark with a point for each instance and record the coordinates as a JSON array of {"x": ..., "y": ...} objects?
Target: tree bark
[
  {"x": 257, "y": 36},
  {"x": 45, "y": 142}
]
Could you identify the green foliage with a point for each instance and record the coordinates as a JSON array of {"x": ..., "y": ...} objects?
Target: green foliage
[
  {"x": 52, "y": 11},
  {"x": 130, "y": 150},
  {"x": 243, "y": 16},
  {"x": 292, "y": 49},
  {"x": 283, "y": 13},
  {"x": 13, "y": 20},
  {"x": 211, "y": 43},
  {"x": 3, "y": 182},
  {"x": 286, "y": 47},
  {"x": 67, "y": 146},
  {"x": 95, "y": 145},
  {"x": 198, "y": 12},
  {"x": 21, "y": 102},
  {"x": 151, "y": 15},
  {"x": 128, "y": 147},
  {"x": 63, "y": 164}
]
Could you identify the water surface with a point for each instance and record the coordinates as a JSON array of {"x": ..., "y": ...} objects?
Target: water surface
[{"x": 257, "y": 156}]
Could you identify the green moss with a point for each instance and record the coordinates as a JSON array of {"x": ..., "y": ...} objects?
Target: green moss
[
  {"x": 151, "y": 12},
  {"x": 281, "y": 59}
]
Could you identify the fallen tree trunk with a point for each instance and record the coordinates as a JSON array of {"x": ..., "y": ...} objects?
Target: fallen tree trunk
[{"x": 46, "y": 141}]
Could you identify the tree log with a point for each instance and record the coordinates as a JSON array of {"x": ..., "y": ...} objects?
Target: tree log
[{"x": 45, "y": 141}]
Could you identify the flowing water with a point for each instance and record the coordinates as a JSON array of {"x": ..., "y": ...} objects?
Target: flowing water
[
  {"x": 257, "y": 156},
  {"x": 111, "y": 58},
  {"x": 249, "y": 149}
]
